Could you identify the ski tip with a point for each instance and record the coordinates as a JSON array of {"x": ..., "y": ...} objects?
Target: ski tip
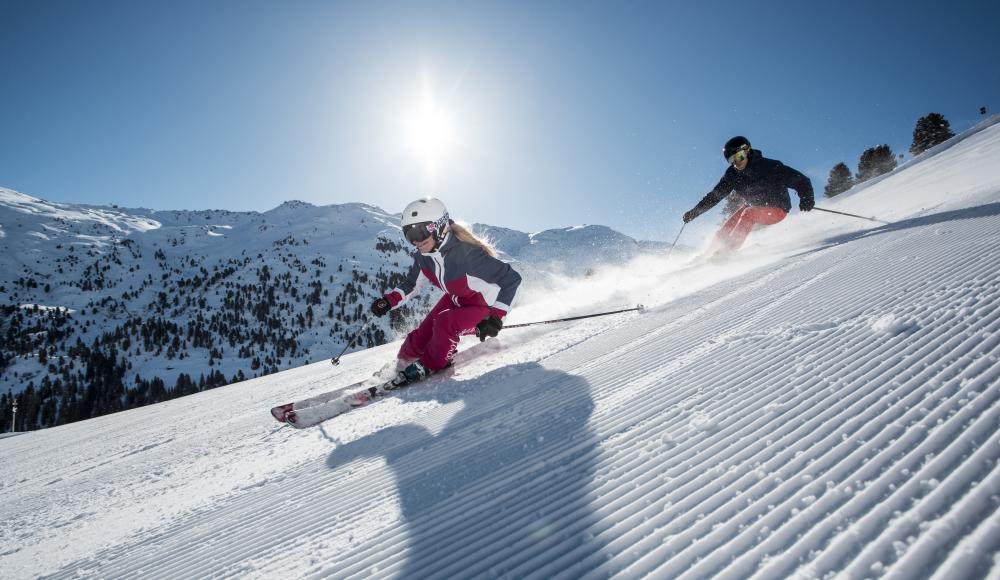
[
  {"x": 640, "y": 307},
  {"x": 281, "y": 412}
]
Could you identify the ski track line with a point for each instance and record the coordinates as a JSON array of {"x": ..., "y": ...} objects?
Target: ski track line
[
  {"x": 957, "y": 476},
  {"x": 147, "y": 553},
  {"x": 895, "y": 422},
  {"x": 475, "y": 552},
  {"x": 967, "y": 557},
  {"x": 873, "y": 461},
  {"x": 780, "y": 462}
]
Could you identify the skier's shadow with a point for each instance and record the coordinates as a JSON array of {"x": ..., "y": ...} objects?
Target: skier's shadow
[{"x": 508, "y": 478}]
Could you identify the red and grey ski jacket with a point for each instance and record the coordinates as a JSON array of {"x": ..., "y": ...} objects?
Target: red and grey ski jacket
[{"x": 464, "y": 271}]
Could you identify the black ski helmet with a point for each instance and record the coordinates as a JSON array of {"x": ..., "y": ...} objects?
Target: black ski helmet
[{"x": 734, "y": 145}]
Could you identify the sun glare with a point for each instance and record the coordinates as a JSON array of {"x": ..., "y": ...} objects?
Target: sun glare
[{"x": 430, "y": 134}]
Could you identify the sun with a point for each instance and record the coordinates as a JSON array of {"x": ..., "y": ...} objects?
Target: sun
[{"x": 429, "y": 133}]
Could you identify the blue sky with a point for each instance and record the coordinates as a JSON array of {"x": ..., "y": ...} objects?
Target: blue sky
[{"x": 543, "y": 114}]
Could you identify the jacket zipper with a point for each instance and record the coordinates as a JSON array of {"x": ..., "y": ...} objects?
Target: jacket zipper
[{"x": 439, "y": 267}]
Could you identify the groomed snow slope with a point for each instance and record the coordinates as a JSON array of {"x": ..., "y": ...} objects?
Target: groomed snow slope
[{"x": 827, "y": 404}]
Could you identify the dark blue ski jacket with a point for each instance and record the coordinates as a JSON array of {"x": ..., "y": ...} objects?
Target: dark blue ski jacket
[{"x": 763, "y": 182}]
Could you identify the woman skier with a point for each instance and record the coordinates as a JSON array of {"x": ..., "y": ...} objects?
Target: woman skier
[
  {"x": 762, "y": 184},
  {"x": 479, "y": 289}
]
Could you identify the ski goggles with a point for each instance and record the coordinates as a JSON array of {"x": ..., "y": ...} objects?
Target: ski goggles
[
  {"x": 416, "y": 233},
  {"x": 740, "y": 154}
]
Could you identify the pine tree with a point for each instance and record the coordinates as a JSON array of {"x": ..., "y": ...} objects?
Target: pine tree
[
  {"x": 930, "y": 131},
  {"x": 875, "y": 161},
  {"x": 840, "y": 180}
]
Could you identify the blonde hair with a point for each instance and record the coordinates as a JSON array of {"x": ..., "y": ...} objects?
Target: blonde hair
[{"x": 464, "y": 233}]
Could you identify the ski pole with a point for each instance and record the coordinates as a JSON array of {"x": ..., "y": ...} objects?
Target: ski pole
[
  {"x": 336, "y": 360},
  {"x": 675, "y": 239},
  {"x": 851, "y": 215},
  {"x": 638, "y": 308}
]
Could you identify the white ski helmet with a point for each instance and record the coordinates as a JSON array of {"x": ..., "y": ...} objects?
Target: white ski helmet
[{"x": 429, "y": 214}]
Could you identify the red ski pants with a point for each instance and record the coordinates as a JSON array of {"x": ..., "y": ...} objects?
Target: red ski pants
[
  {"x": 736, "y": 229},
  {"x": 435, "y": 340}
]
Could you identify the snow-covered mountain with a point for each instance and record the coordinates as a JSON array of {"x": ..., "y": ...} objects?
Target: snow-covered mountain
[
  {"x": 572, "y": 251},
  {"x": 828, "y": 405},
  {"x": 106, "y": 308}
]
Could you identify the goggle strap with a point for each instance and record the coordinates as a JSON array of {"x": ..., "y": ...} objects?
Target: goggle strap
[{"x": 424, "y": 230}]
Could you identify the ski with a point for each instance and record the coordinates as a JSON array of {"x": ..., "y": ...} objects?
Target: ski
[
  {"x": 281, "y": 411},
  {"x": 319, "y": 408},
  {"x": 302, "y": 417}
]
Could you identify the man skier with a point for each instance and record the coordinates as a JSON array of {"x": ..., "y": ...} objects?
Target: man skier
[{"x": 762, "y": 184}]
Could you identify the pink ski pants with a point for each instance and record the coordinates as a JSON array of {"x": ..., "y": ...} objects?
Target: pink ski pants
[{"x": 434, "y": 342}]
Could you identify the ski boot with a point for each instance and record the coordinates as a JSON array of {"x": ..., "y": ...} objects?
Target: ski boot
[{"x": 416, "y": 371}]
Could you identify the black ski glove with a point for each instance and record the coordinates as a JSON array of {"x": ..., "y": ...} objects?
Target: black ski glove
[
  {"x": 489, "y": 326},
  {"x": 690, "y": 215},
  {"x": 806, "y": 204},
  {"x": 380, "y": 307}
]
